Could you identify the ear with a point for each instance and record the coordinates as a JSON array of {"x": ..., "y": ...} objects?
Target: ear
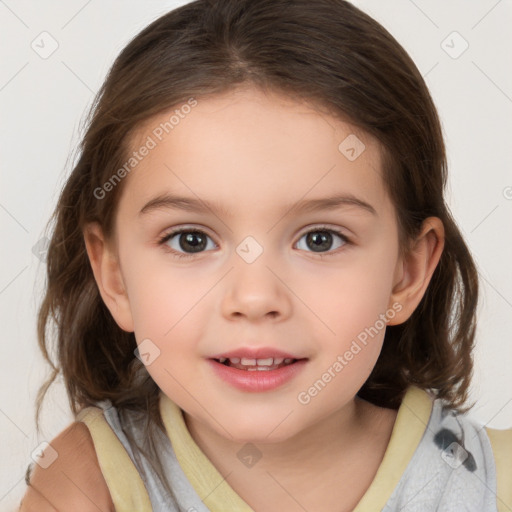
[
  {"x": 108, "y": 276},
  {"x": 414, "y": 270}
]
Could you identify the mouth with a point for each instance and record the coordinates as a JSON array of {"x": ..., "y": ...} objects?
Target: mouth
[
  {"x": 256, "y": 365},
  {"x": 257, "y": 369}
]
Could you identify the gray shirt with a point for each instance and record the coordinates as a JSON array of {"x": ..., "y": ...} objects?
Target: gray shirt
[{"x": 452, "y": 469}]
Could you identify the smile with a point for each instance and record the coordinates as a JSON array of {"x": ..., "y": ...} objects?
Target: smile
[
  {"x": 251, "y": 365},
  {"x": 256, "y": 375}
]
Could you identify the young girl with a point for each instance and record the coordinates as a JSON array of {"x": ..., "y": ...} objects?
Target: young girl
[{"x": 261, "y": 300}]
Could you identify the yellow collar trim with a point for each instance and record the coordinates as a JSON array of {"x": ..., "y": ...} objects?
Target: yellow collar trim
[
  {"x": 124, "y": 483},
  {"x": 209, "y": 484},
  {"x": 410, "y": 424}
]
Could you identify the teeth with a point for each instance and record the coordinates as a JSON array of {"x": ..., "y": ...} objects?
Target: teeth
[
  {"x": 269, "y": 361},
  {"x": 257, "y": 364},
  {"x": 265, "y": 362}
]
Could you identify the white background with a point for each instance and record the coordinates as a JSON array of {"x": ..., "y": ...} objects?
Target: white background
[{"x": 42, "y": 102}]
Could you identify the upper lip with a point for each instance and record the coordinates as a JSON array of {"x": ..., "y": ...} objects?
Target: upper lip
[{"x": 255, "y": 353}]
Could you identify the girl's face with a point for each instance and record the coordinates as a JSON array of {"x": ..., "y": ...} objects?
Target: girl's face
[{"x": 255, "y": 174}]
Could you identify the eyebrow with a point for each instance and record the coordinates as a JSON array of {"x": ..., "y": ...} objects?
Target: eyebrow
[{"x": 190, "y": 204}]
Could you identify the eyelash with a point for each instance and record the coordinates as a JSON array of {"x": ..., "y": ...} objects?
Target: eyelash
[{"x": 165, "y": 238}]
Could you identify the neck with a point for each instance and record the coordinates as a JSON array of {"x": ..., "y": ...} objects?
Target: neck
[{"x": 316, "y": 460}]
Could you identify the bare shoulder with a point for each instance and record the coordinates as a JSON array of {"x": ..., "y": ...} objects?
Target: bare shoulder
[{"x": 73, "y": 481}]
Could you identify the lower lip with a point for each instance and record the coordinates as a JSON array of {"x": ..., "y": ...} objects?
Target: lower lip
[{"x": 258, "y": 380}]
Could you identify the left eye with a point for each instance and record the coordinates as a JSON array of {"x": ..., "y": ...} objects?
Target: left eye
[{"x": 321, "y": 240}]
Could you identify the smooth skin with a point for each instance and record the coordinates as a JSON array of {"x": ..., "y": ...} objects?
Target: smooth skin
[
  {"x": 258, "y": 155},
  {"x": 73, "y": 482}
]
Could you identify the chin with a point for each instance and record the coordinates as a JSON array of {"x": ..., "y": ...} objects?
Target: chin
[{"x": 259, "y": 430}]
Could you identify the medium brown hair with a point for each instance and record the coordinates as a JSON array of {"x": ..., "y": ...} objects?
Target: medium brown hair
[{"x": 326, "y": 52}]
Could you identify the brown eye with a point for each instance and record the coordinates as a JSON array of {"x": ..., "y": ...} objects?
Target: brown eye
[
  {"x": 322, "y": 240},
  {"x": 186, "y": 243},
  {"x": 192, "y": 240}
]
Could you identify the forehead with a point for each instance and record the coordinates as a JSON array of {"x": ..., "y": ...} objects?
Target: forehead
[{"x": 245, "y": 147}]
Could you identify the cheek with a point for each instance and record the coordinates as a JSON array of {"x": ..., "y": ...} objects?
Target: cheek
[
  {"x": 159, "y": 293},
  {"x": 169, "y": 306},
  {"x": 353, "y": 296}
]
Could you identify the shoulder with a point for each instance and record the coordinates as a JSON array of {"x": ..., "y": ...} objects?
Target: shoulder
[
  {"x": 501, "y": 443},
  {"x": 73, "y": 480},
  {"x": 454, "y": 460}
]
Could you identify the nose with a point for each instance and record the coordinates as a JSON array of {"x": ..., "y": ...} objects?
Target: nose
[{"x": 255, "y": 291}]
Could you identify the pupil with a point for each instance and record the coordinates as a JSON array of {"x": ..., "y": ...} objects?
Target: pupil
[
  {"x": 319, "y": 242},
  {"x": 192, "y": 240}
]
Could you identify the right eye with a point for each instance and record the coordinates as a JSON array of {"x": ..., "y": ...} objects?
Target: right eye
[{"x": 191, "y": 241}]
